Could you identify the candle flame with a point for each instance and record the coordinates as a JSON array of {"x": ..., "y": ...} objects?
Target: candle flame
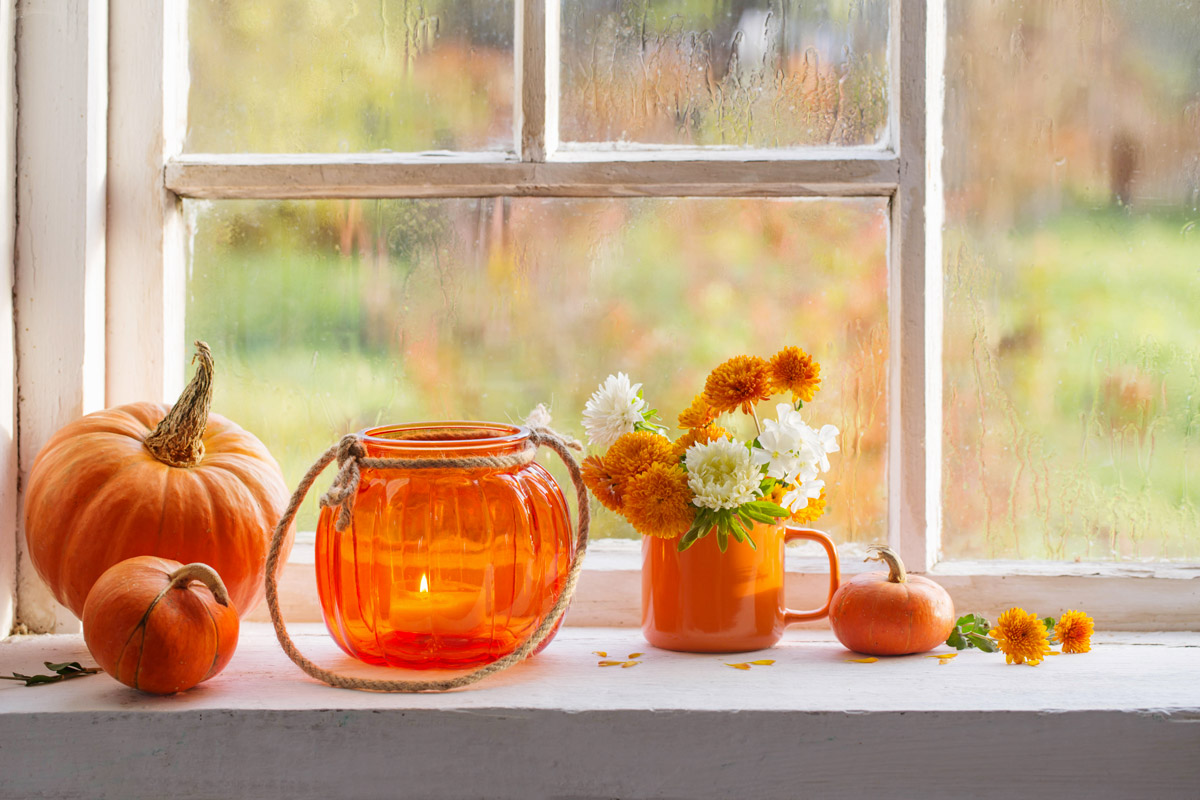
[{"x": 424, "y": 584}]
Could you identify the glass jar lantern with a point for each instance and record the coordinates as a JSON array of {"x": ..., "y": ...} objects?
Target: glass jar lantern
[{"x": 444, "y": 568}]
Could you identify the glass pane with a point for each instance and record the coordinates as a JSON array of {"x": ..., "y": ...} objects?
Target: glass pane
[
  {"x": 1072, "y": 339},
  {"x": 279, "y": 76},
  {"x": 741, "y": 73},
  {"x": 330, "y": 316}
]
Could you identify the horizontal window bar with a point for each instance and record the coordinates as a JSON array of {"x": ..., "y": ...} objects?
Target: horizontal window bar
[{"x": 860, "y": 173}]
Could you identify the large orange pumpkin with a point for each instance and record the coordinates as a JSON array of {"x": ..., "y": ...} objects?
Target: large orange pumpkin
[
  {"x": 145, "y": 479},
  {"x": 891, "y": 613},
  {"x": 160, "y": 626}
]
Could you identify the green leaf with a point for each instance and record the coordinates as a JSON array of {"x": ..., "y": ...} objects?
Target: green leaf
[
  {"x": 756, "y": 514},
  {"x": 767, "y": 507},
  {"x": 984, "y": 643},
  {"x": 688, "y": 539},
  {"x": 735, "y": 528},
  {"x": 723, "y": 538},
  {"x": 956, "y": 640},
  {"x": 750, "y": 541},
  {"x": 71, "y": 668},
  {"x": 1049, "y": 623}
]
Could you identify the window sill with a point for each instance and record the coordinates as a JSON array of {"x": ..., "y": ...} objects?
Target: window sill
[
  {"x": 1119, "y": 596},
  {"x": 1111, "y": 723}
]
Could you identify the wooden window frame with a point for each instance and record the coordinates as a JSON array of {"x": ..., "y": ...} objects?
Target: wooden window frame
[{"x": 116, "y": 333}]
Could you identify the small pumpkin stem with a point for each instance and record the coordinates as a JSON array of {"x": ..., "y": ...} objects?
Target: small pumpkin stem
[
  {"x": 179, "y": 438},
  {"x": 896, "y": 572},
  {"x": 181, "y": 577}
]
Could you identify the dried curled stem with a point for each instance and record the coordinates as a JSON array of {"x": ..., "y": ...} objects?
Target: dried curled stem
[{"x": 179, "y": 438}]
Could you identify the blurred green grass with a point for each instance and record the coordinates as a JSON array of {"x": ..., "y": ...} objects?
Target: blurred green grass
[{"x": 1072, "y": 395}]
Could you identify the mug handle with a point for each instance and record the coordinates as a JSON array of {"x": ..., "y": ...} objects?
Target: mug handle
[{"x": 790, "y": 534}]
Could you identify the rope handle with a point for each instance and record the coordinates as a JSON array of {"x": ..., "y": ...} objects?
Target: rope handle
[{"x": 351, "y": 457}]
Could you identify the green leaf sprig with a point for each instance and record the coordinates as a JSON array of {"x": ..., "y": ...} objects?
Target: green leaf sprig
[
  {"x": 735, "y": 522},
  {"x": 970, "y": 631},
  {"x": 63, "y": 672},
  {"x": 646, "y": 423}
]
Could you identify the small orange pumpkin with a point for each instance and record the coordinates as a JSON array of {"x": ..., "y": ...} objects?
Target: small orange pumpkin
[
  {"x": 160, "y": 626},
  {"x": 142, "y": 479},
  {"x": 891, "y": 613}
]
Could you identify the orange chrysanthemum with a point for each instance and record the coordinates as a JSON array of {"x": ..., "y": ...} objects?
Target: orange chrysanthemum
[
  {"x": 1074, "y": 632},
  {"x": 793, "y": 370},
  {"x": 600, "y": 482},
  {"x": 698, "y": 415},
  {"x": 740, "y": 382},
  {"x": 1021, "y": 637},
  {"x": 658, "y": 502},
  {"x": 811, "y": 512},
  {"x": 698, "y": 436},
  {"x": 633, "y": 453}
]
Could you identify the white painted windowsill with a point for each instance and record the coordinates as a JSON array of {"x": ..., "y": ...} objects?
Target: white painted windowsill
[{"x": 1121, "y": 721}]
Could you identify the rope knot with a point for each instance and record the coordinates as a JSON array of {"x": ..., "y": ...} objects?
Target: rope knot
[{"x": 345, "y": 485}]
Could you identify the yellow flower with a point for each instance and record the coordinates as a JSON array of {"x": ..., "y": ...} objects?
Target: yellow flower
[
  {"x": 1021, "y": 636},
  {"x": 597, "y": 478},
  {"x": 633, "y": 453},
  {"x": 1074, "y": 632},
  {"x": 793, "y": 370},
  {"x": 697, "y": 415},
  {"x": 740, "y": 382},
  {"x": 698, "y": 436},
  {"x": 658, "y": 502}
]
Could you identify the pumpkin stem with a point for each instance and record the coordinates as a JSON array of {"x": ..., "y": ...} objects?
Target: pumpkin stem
[
  {"x": 181, "y": 577},
  {"x": 896, "y": 572},
  {"x": 179, "y": 438}
]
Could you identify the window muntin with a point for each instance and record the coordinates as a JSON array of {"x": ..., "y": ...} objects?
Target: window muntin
[
  {"x": 331, "y": 316},
  {"x": 275, "y": 76},
  {"x": 1072, "y": 304},
  {"x": 759, "y": 74}
]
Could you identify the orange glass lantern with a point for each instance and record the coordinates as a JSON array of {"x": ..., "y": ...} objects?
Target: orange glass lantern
[{"x": 444, "y": 568}]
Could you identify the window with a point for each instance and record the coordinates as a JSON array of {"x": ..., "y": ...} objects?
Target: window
[
  {"x": 462, "y": 306},
  {"x": 569, "y": 146}
]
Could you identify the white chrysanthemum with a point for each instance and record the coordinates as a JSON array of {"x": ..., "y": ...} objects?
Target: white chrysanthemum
[
  {"x": 721, "y": 474},
  {"x": 798, "y": 498},
  {"x": 613, "y": 410}
]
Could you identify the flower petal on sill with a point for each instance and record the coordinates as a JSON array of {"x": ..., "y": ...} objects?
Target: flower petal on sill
[
  {"x": 628, "y": 664},
  {"x": 1053, "y": 653},
  {"x": 943, "y": 656},
  {"x": 763, "y": 662},
  {"x": 870, "y": 660},
  {"x": 600, "y": 653},
  {"x": 610, "y": 663},
  {"x": 636, "y": 655},
  {"x": 739, "y": 666}
]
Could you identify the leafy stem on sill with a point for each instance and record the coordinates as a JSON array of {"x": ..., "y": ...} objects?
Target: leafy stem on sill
[{"x": 63, "y": 672}]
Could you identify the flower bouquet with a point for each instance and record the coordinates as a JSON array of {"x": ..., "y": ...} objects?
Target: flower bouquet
[{"x": 707, "y": 480}]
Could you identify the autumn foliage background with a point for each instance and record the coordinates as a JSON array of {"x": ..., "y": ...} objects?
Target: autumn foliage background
[{"x": 1072, "y": 175}]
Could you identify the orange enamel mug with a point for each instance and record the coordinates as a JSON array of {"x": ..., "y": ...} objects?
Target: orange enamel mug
[{"x": 706, "y": 601}]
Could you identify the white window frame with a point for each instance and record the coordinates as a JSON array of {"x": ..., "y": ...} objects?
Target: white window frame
[{"x": 104, "y": 229}]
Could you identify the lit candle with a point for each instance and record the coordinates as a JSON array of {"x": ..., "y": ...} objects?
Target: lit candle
[{"x": 449, "y": 607}]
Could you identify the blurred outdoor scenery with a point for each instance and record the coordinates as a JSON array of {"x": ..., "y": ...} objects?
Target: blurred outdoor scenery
[{"x": 1072, "y": 295}]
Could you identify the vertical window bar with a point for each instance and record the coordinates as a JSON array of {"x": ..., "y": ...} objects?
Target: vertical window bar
[
  {"x": 146, "y": 124},
  {"x": 915, "y": 292},
  {"x": 536, "y": 46}
]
